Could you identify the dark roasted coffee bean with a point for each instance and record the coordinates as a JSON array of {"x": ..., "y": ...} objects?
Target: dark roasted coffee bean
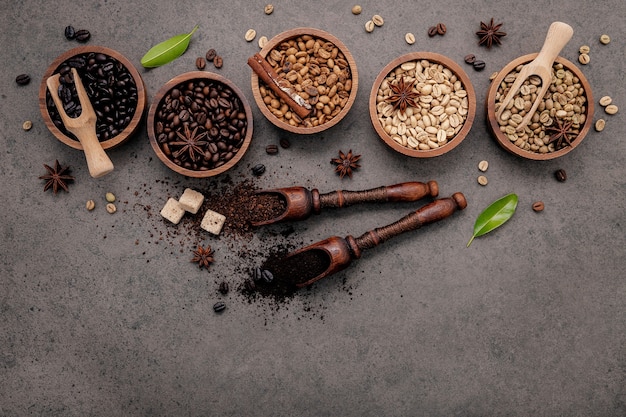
[
  {"x": 267, "y": 276},
  {"x": 200, "y": 63},
  {"x": 432, "y": 31},
  {"x": 22, "y": 79},
  {"x": 223, "y": 288},
  {"x": 250, "y": 285},
  {"x": 82, "y": 35},
  {"x": 470, "y": 59},
  {"x": 219, "y": 307},
  {"x": 258, "y": 169},
  {"x": 70, "y": 32},
  {"x": 441, "y": 29},
  {"x": 218, "y": 62},
  {"x": 271, "y": 149},
  {"x": 560, "y": 175},
  {"x": 479, "y": 65},
  {"x": 284, "y": 143},
  {"x": 257, "y": 274},
  {"x": 211, "y": 54}
]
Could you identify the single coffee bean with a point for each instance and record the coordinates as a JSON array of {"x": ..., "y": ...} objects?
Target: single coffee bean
[
  {"x": 200, "y": 63},
  {"x": 378, "y": 20},
  {"x": 605, "y": 101},
  {"x": 263, "y": 41},
  {"x": 258, "y": 170},
  {"x": 210, "y": 55},
  {"x": 27, "y": 125},
  {"x": 257, "y": 274},
  {"x": 479, "y": 65},
  {"x": 409, "y": 38},
  {"x": 470, "y": 59},
  {"x": 584, "y": 49},
  {"x": 267, "y": 276},
  {"x": 223, "y": 288},
  {"x": 584, "y": 59},
  {"x": 600, "y": 124},
  {"x": 369, "y": 26},
  {"x": 70, "y": 32},
  {"x": 605, "y": 39},
  {"x": 482, "y": 180},
  {"x": 82, "y": 35},
  {"x": 483, "y": 165},
  {"x": 560, "y": 175},
  {"x": 538, "y": 206},
  {"x": 218, "y": 61},
  {"x": 356, "y": 9},
  {"x": 250, "y": 35},
  {"x": 284, "y": 143},
  {"x": 22, "y": 79},
  {"x": 269, "y": 9},
  {"x": 432, "y": 31},
  {"x": 611, "y": 109},
  {"x": 441, "y": 29},
  {"x": 219, "y": 307},
  {"x": 271, "y": 149}
]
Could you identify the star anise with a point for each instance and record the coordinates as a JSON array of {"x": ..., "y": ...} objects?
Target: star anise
[
  {"x": 204, "y": 257},
  {"x": 490, "y": 34},
  {"x": 57, "y": 177},
  {"x": 561, "y": 132},
  {"x": 190, "y": 142},
  {"x": 346, "y": 163},
  {"x": 403, "y": 95}
]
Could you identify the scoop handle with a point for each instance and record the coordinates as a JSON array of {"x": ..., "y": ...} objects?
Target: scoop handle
[
  {"x": 406, "y": 191},
  {"x": 430, "y": 213},
  {"x": 558, "y": 35}
]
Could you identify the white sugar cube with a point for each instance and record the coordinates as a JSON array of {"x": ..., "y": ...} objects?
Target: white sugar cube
[
  {"x": 172, "y": 211},
  {"x": 212, "y": 222},
  {"x": 191, "y": 200}
]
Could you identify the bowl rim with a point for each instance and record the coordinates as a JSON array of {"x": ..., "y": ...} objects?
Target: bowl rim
[
  {"x": 142, "y": 99},
  {"x": 504, "y": 141},
  {"x": 188, "y": 76},
  {"x": 294, "y": 33},
  {"x": 461, "y": 75}
]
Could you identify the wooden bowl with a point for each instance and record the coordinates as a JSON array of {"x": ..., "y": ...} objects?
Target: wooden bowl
[
  {"x": 502, "y": 138},
  {"x": 122, "y": 136},
  {"x": 462, "y": 129},
  {"x": 159, "y": 101},
  {"x": 293, "y": 34}
]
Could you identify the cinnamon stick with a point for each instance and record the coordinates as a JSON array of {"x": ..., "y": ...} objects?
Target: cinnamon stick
[{"x": 281, "y": 87}]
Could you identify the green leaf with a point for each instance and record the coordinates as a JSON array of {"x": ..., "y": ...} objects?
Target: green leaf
[
  {"x": 495, "y": 215},
  {"x": 167, "y": 51}
]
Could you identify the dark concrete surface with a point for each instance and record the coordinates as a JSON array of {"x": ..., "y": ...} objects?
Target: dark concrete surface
[{"x": 104, "y": 315}]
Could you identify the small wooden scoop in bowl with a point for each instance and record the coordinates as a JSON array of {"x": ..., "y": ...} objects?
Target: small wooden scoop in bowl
[
  {"x": 300, "y": 203},
  {"x": 558, "y": 35},
  {"x": 314, "y": 262},
  {"x": 83, "y": 126}
]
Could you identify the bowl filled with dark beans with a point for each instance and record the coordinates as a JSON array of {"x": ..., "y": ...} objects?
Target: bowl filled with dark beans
[
  {"x": 115, "y": 89},
  {"x": 200, "y": 124}
]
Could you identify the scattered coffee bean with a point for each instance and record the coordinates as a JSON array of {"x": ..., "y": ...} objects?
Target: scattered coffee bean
[
  {"x": 250, "y": 35},
  {"x": 284, "y": 143},
  {"x": 369, "y": 26},
  {"x": 70, "y": 32},
  {"x": 219, "y": 307},
  {"x": 223, "y": 288},
  {"x": 605, "y": 39},
  {"x": 111, "y": 208},
  {"x": 432, "y": 31},
  {"x": 263, "y": 41},
  {"x": 210, "y": 55},
  {"x": 82, "y": 35},
  {"x": 269, "y": 9},
  {"x": 27, "y": 125},
  {"x": 538, "y": 206},
  {"x": 611, "y": 109},
  {"x": 560, "y": 175},
  {"x": 271, "y": 149},
  {"x": 356, "y": 9},
  {"x": 483, "y": 165},
  {"x": 584, "y": 59},
  {"x": 378, "y": 20},
  {"x": 218, "y": 62},
  {"x": 482, "y": 180},
  {"x": 90, "y": 205},
  {"x": 584, "y": 49},
  {"x": 441, "y": 29},
  {"x": 22, "y": 79},
  {"x": 258, "y": 170},
  {"x": 109, "y": 197},
  {"x": 600, "y": 124},
  {"x": 257, "y": 274},
  {"x": 409, "y": 38},
  {"x": 470, "y": 59},
  {"x": 605, "y": 101},
  {"x": 267, "y": 276},
  {"x": 493, "y": 76},
  {"x": 479, "y": 65},
  {"x": 200, "y": 63}
]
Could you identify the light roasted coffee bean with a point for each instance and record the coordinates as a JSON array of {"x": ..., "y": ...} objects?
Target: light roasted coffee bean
[
  {"x": 369, "y": 26},
  {"x": 250, "y": 35},
  {"x": 378, "y": 20},
  {"x": 409, "y": 38},
  {"x": 611, "y": 109},
  {"x": 605, "y": 101},
  {"x": 584, "y": 59},
  {"x": 269, "y": 9},
  {"x": 483, "y": 165},
  {"x": 538, "y": 206},
  {"x": 605, "y": 39},
  {"x": 600, "y": 123}
]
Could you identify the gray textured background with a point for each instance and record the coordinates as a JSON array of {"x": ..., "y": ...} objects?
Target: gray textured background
[{"x": 104, "y": 315}]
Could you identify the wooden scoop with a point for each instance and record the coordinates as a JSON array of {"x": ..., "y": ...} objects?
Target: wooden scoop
[
  {"x": 558, "y": 35},
  {"x": 301, "y": 203},
  {"x": 83, "y": 126},
  {"x": 335, "y": 254}
]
